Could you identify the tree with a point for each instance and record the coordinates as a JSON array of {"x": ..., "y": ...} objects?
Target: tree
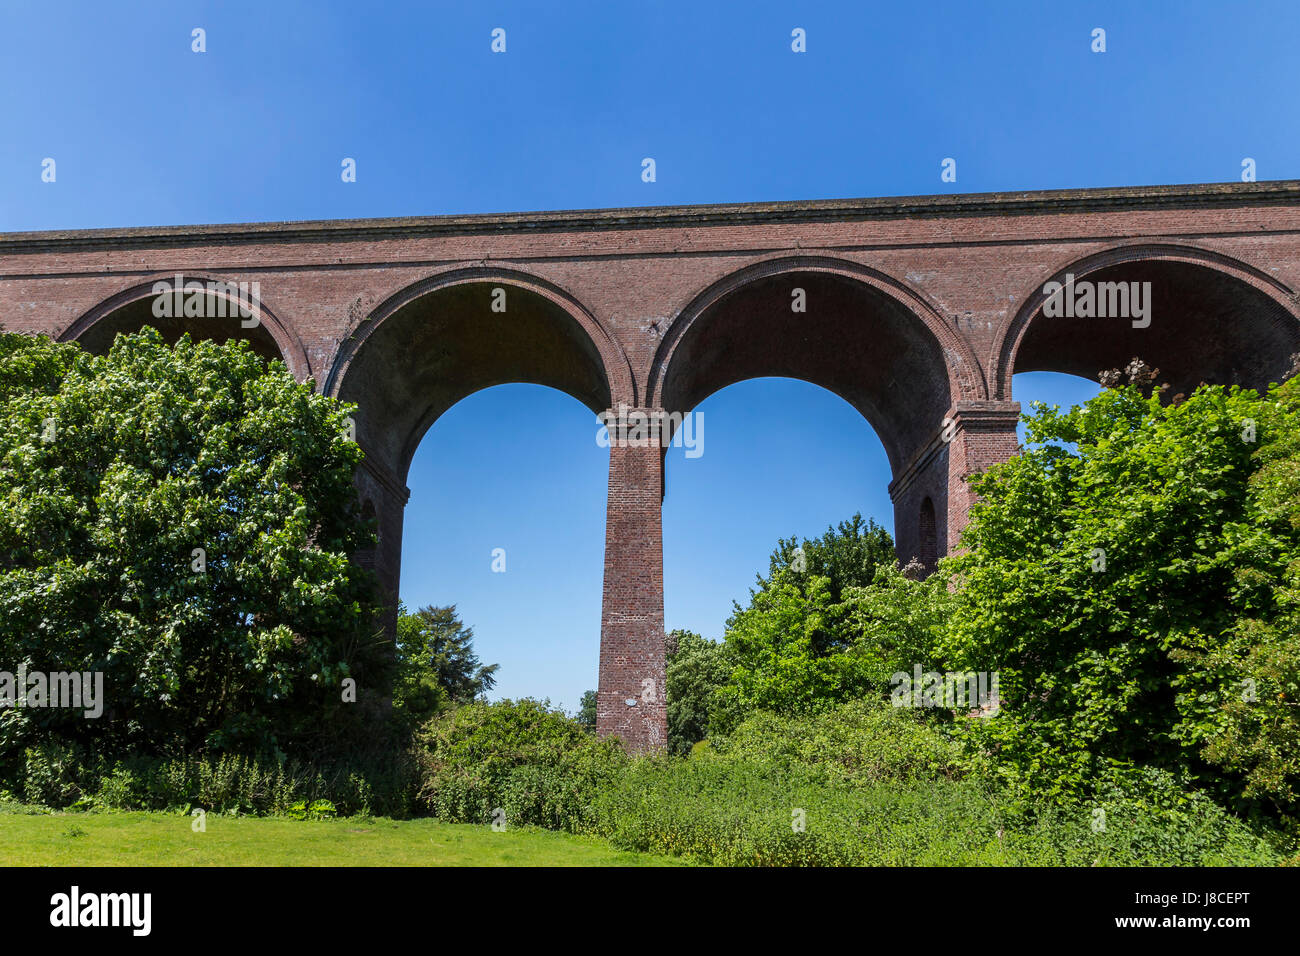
[
  {"x": 898, "y": 622},
  {"x": 696, "y": 668},
  {"x": 587, "y": 711},
  {"x": 1256, "y": 733},
  {"x": 436, "y": 664},
  {"x": 847, "y": 555},
  {"x": 1105, "y": 571},
  {"x": 795, "y": 649},
  {"x": 181, "y": 520}
]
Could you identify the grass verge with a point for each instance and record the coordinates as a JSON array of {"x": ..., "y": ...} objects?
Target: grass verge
[{"x": 166, "y": 839}]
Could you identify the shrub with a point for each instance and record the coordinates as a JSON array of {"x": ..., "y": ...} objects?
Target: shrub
[
  {"x": 749, "y": 813},
  {"x": 694, "y": 669},
  {"x": 1105, "y": 573},
  {"x": 801, "y": 647},
  {"x": 534, "y": 763},
  {"x": 746, "y": 813},
  {"x": 862, "y": 742},
  {"x": 233, "y": 784},
  {"x": 793, "y": 648},
  {"x": 56, "y": 774}
]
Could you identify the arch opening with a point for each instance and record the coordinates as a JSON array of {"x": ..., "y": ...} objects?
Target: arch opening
[
  {"x": 507, "y": 524},
  {"x": 429, "y": 348},
  {"x": 853, "y": 339},
  {"x": 219, "y": 321},
  {"x": 860, "y": 338},
  {"x": 418, "y": 360},
  {"x": 780, "y": 457},
  {"x": 1201, "y": 324}
]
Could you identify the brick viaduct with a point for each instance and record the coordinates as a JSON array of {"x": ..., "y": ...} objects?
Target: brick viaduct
[{"x": 918, "y": 310}]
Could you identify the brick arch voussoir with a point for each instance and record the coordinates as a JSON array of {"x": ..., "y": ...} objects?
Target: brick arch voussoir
[
  {"x": 615, "y": 365},
  {"x": 286, "y": 340},
  {"x": 963, "y": 371},
  {"x": 1007, "y": 344}
]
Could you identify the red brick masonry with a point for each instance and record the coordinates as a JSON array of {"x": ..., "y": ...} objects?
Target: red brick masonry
[{"x": 919, "y": 310}]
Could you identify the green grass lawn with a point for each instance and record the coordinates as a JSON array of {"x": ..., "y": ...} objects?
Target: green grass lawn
[{"x": 165, "y": 839}]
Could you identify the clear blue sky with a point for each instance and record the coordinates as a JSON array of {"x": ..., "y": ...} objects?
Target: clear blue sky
[{"x": 146, "y": 132}]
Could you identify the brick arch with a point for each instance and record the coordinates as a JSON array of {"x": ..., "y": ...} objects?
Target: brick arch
[
  {"x": 1200, "y": 283},
  {"x": 403, "y": 354},
  {"x": 130, "y": 309},
  {"x": 906, "y": 405}
]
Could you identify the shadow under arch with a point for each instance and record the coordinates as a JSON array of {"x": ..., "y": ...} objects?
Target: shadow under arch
[
  {"x": 866, "y": 337},
  {"x": 131, "y": 309},
  {"x": 439, "y": 340},
  {"x": 1212, "y": 318}
]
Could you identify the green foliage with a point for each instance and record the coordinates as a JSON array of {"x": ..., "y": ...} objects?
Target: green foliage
[
  {"x": 113, "y": 470},
  {"x": 586, "y": 716},
  {"x": 1256, "y": 732},
  {"x": 696, "y": 668},
  {"x": 1104, "y": 667},
  {"x": 746, "y": 812},
  {"x": 315, "y": 810},
  {"x": 776, "y": 665},
  {"x": 1140, "y": 817},
  {"x": 56, "y": 775},
  {"x": 862, "y": 742},
  {"x": 898, "y": 622},
  {"x": 866, "y": 784},
  {"x": 846, "y": 556},
  {"x": 798, "y": 617},
  {"x": 800, "y": 649},
  {"x": 436, "y": 664},
  {"x": 65, "y": 776},
  {"x": 519, "y": 762}
]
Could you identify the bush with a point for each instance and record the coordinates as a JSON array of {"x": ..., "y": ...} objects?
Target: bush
[
  {"x": 56, "y": 774},
  {"x": 803, "y": 648},
  {"x": 1106, "y": 574},
  {"x": 228, "y": 784},
  {"x": 752, "y": 813},
  {"x": 694, "y": 669},
  {"x": 746, "y": 813},
  {"x": 537, "y": 765},
  {"x": 793, "y": 649},
  {"x": 1143, "y": 818},
  {"x": 862, "y": 742}
]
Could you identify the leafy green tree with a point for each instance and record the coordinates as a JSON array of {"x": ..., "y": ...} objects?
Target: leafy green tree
[
  {"x": 846, "y": 556},
  {"x": 774, "y": 649},
  {"x": 181, "y": 520},
  {"x": 696, "y": 668},
  {"x": 1101, "y": 571},
  {"x": 587, "y": 711},
  {"x": 898, "y": 622},
  {"x": 795, "y": 649},
  {"x": 1256, "y": 733},
  {"x": 436, "y": 664}
]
